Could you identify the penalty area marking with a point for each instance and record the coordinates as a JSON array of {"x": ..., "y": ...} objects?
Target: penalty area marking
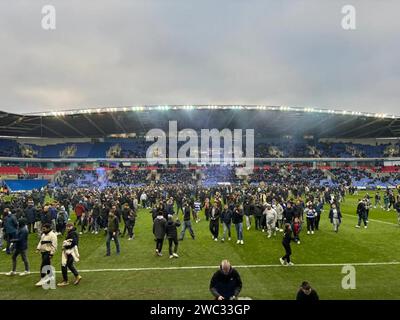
[{"x": 238, "y": 267}]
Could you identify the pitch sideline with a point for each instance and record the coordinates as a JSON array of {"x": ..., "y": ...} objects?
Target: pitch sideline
[
  {"x": 374, "y": 220},
  {"x": 236, "y": 266}
]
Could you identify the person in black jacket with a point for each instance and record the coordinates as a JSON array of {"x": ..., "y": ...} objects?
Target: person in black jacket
[
  {"x": 288, "y": 213},
  {"x": 30, "y": 214},
  {"x": 237, "y": 220},
  {"x": 287, "y": 237},
  {"x": 20, "y": 243},
  {"x": 172, "y": 235},
  {"x": 258, "y": 214},
  {"x": 226, "y": 283},
  {"x": 362, "y": 214},
  {"x": 129, "y": 217},
  {"x": 186, "y": 222},
  {"x": 226, "y": 219},
  {"x": 306, "y": 293},
  {"x": 159, "y": 232},
  {"x": 214, "y": 221},
  {"x": 70, "y": 244},
  {"x": 112, "y": 231}
]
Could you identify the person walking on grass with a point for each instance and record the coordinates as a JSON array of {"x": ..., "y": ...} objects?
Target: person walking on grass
[
  {"x": 69, "y": 255},
  {"x": 362, "y": 214},
  {"x": 10, "y": 228},
  {"x": 386, "y": 201},
  {"x": 237, "y": 220},
  {"x": 377, "y": 200},
  {"x": 159, "y": 232},
  {"x": 271, "y": 218},
  {"x": 129, "y": 216},
  {"x": 258, "y": 214},
  {"x": 214, "y": 221},
  {"x": 20, "y": 244},
  {"x": 296, "y": 230},
  {"x": 186, "y": 222},
  {"x": 112, "y": 231},
  {"x": 287, "y": 238},
  {"x": 47, "y": 247},
  {"x": 226, "y": 219},
  {"x": 279, "y": 210},
  {"x": 335, "y": 216},
  {"x": 172, "y": 236},
  {"x": 61, "y": 222},
  {"x": 195, "y": 211},
  {"x": 318, "y": 210},
  {"x": 310, "y": 215}
]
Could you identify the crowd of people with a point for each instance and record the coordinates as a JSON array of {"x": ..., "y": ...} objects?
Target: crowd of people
[{"x": 283, "y": 207}]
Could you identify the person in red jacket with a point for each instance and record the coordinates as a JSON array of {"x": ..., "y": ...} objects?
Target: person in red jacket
[
  {"x": 296, "y": 230},
  {"x": 79, "y": 210}
]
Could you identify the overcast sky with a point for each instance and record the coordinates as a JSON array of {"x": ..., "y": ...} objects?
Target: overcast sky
[{"x": 135, "y": 52}]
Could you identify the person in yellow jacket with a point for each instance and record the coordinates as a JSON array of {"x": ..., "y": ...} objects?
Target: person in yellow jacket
[{"x": 47, "y": 247}]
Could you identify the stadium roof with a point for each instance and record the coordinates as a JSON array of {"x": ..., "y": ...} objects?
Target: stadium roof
[{"x": 268, "y": 121}]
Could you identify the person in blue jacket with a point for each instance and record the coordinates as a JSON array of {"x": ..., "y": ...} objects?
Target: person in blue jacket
[
  {"x": 10, "y": 227},
  {"x": 20, "y": 244}
]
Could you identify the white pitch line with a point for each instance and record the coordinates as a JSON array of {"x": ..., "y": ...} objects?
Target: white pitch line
[
  {"x": 380, "y": 221},
  {"x": 237, "y": 266}
]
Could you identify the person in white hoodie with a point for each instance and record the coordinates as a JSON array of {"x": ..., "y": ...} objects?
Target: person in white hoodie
[
  {"x": 271, "y": 217},
  {"x": 279, "y": 211}
]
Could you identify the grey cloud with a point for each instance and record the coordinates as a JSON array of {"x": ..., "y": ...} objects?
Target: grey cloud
[{"x": 176, "y": 52}]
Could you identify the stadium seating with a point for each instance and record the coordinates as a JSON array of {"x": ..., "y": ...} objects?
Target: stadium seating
[
  {"x": 136, "y": 148},
  {"x": 10, "y": 171}
]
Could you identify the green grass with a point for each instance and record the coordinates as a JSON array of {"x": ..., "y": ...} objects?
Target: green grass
[{"x": 378, "y": 243}]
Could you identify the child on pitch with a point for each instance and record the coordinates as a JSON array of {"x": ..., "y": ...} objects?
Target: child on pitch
[
  {"x": 296, "y": 230},
  {"x": 196, "y": 210}
]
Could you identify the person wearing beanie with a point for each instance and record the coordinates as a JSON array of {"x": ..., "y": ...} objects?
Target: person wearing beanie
[{"x": 20, "y": 243}]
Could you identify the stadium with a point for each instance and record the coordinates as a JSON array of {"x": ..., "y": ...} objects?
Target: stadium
[
  {"x": 198, "y": 157},
  {"x": 76, "y": 160}
]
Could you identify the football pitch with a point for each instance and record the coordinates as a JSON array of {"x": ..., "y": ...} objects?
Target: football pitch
[{"x": 138, "y": 274}]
